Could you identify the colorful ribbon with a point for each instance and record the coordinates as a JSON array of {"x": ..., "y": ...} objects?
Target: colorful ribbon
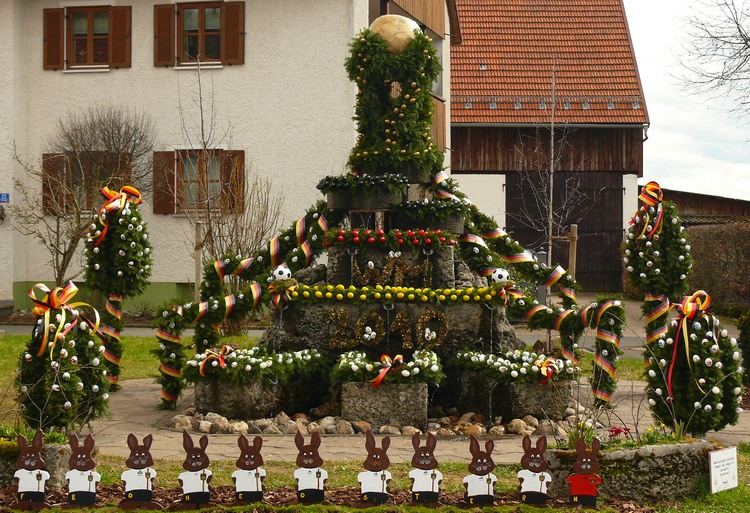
[
  {"x": 651, "y": 196},
  {"x": 560, "y": 319},
  {"x": 688, "y": 309},
  {"x": 473, "y": 239},
  {"x": 213, "y": 354},
  {"x": 274, "y": 248},
  {"x": 279, "y": 297},
  {"x": 300, "y": 230},
  {"x": 518, "y": 258},
  {"x": 170, "y": 371},
  {"x": 557, "y": 273},
  {"x": 388, "y": 365},
  {"x": 533, "y": 311},
  {"x": 605, "y": 365},
  {"x": 307, "y": 250},
  {"x": 548, "y": 368},
  {"x": 661, "y": 309},
  {"x": 570, "y": 355},
  {"x": 113, "y": 202}
]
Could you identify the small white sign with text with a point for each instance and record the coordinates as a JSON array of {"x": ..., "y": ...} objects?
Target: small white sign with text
[{"x": 722, "y": 466}]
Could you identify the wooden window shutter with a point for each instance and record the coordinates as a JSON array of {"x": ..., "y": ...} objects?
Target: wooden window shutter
[
  {"x": 164, "y": 182},
  {"x": 53, "y": 184},
  {"x": 119, "y": 49},
  {"x": 53, "y": 39},
  {"x": 233, "y": 181},
  {"x": 233, "y": 33},
  {"x": 164, "y": 25}
]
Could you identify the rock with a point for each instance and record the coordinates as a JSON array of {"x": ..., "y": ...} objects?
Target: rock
[
  {"x": 220, "y": 425},
  {"x": 262, "y": 423},
  {"x": 410, "y": 430},
  {"x": 444, "y": 421},
  {"x": 361, "y": 426},
  {"x": 444, "y": 432},
  {"x": 196, "y": 421},
  {"x": 516, "y": 427},
  {"x": 189, "y": 411},
  {"x": 474, "y": 430},
  {"x": 314, "y": 427},
  {"x": 433, "y": 426},
  {"x": 213, "y": 417},
  {"x": 311, "y": 275},
  {"x": 545, "y": 427},
  {"x": 301, "y": 417},
  {"x": 452, "y": 411},
  {"x": 530, "y": 421},
  {"x": 361, "y": 401},
  {"x": 496, "y": 430},
  {"x": 204, "y": 426},
  {"x": 252, "y": 429},
  {"x": 181, "y": 422},
  {"x": 344, "y": 427},
  {"x": 435, "y": 411},
  {"x": 569, "y": 412},
  {"x": 272, "y": 429},
  {"x": 282, "y": 419},
  {"x": 498, "y": 421},
  {"x": 325, "y": 410},
  {"x": 239, "y": 427},
  {"x": 389, "y": 430},
  {"x": 540, "y": 401},
  {"x": 467, "y": 417},
  {"x": 298, "y": 426},
  {"x": 326, "y": 422}
]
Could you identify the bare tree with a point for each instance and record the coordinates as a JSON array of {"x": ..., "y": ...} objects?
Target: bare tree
[
  {"x": 716, "y": 55},
  {"x": 101, "y": 146}
]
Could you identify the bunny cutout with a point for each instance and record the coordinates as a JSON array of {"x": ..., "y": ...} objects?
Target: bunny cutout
[
  {"x": 374, "y": 481},
  {"x": 139, "y": 478},
  {"x": 195, "y": 481},
  {"x": 584, "y": 481},
  {"x": 82, "y": 477},
  {"x": 532, "y": 478},
  {"x": 311, "y": 479},
  {"x": 425, "y": 478},
  {"x": 480, "y": 484},
  {"x": 32, "y": 478},
  {"x": 248, "y": 478}
]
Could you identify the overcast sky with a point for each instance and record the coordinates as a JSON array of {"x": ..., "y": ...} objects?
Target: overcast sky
[{"x": 693, "y": 144}]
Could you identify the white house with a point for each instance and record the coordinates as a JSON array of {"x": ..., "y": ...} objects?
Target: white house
[{"x": 274, "y": 69}]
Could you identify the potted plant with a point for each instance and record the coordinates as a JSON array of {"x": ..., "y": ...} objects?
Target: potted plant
[
  {"x": 436, "y": 214},
  {"x": 354, "y": 191}
]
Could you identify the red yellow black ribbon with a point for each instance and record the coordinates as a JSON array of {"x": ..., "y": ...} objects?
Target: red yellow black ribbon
[
  {"x": 213, "y": 354},
  {"x": 388, "y": 365},
  {"x": 114, "y": 202},
  {"x": 688, "y": 309},
  {"x": 547, "y": 369}
]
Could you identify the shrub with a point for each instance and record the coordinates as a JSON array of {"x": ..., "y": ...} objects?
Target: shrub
[
  {"x": 743, "y": 324},
  {"x": 721, "y": 257}
]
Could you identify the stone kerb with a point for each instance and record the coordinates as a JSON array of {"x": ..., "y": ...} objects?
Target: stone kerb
[
  {"x": 650, "y": 472},
  {"x": 387, "y": 403}
]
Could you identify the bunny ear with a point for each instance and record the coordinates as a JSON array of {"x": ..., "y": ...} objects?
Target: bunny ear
[
  {"x": 580, "y": 445},
  {"x": 315, "y": 440},
  {"x": 385, "y": 443},
  {"x": 133, "y": 441},
  {"x": 299, "y": 441},
  {"x": 526, "y": 443},
  {"x": 242, "y": 442},
  {"x": 22, "y": 442},
  {"x": 595, "y": 446},
  {"x": 147, "y": 441},
  {"x": 187, "y": 442},
  {"x": 369, "y": 441},
  {"x": 541, "y": 443},
  {"x": 73, "y": 441},
  {"x": 88, "y": 443},
  {"x": 473, "y": 445},
  {"x": 258, "y": 443},
  {"x": 37, "y": 442},
  {"x": 415, "y": 441},
  {"x": 204, "y": 442},
  {"x": 431, "y": 442},
  {"x": 488, "y": 446}
]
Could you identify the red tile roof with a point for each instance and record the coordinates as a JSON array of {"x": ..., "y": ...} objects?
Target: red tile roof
[{"x": 502, "y": 72}]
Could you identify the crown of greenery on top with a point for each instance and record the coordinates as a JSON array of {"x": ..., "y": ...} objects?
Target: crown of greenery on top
[{"x": 364, "y": 183}]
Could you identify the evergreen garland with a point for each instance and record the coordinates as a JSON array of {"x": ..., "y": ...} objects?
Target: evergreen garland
[
  {"x": 118, "y": 264},
  {"x": 61, "y": 381}
]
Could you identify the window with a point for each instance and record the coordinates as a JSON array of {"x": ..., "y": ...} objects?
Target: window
[
  {"x": 71, "y": 181},
  {"x": 205, "y": 32},
  {"x": 86, "y": 37},
  {"x": 186, "y": 180}
]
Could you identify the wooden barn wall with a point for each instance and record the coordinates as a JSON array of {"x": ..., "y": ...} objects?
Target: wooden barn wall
[
  {"x": 500, "y": 149},
  {"x": 429, "y": 12},
  {"x": 599, "y": 266},
  {"x": 704, "y": 204}
]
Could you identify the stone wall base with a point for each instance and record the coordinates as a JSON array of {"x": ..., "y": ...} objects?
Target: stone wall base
[{"x": 385, "y": 403}]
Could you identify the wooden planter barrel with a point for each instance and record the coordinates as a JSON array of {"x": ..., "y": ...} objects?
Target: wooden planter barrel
[
  {"x": 358, "y": 200},
  {"x": 404, "y": 221}
]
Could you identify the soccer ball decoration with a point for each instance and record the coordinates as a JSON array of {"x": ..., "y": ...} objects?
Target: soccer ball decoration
[
  {"x": 500, "y": 276},
  {"x": 282, "y": 272}
]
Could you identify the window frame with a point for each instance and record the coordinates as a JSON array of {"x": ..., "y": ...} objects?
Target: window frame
[
  {"x": 203, "y": 181},
  {"x": 90, "y": 37},
  {"x": 201, "y": 32}
]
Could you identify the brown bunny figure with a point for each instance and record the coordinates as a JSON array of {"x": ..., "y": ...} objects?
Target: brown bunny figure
[
  {"x": 532, "y": 478},
  {"x": 196, "y": 480},
  {"x": 311, "y": 479},
  {"x": 584, "y": 480},
  {"x": 139, "y": 478},
  {"x": 425, "y": 478},
  {"x": 82, "y": 477},
  {"x": 32, "y": 478},
  {"x": 480, "y": 484},
  {"x": 248, "y": 478},
  {"x": 375, "y": 479}
]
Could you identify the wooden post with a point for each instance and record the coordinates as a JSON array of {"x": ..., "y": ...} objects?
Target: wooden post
[
  {"x": 198, "y": 259},
  {"x": 572, "y": 250}
]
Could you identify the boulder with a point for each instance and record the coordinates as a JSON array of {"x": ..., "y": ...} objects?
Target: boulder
[{"x": 516, "y": 427}]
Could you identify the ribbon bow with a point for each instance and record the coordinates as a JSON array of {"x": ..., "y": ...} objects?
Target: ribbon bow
[
  {"x": 114, "y": 202},
  {"x": 651, "y": 195},
  {"x": 510, "y": 292},
  {"x": 213, "y": 354},
  {"x": 688, "y": 309},
  {"x": 388, "y": 364},
  {"x": 57, "y": 299},
  {"x": 547, "y": 368},
  {"x": 280, "y": 298}
]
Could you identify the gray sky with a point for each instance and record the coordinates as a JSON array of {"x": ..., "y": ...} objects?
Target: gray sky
[{"x": 694, "y": 143}]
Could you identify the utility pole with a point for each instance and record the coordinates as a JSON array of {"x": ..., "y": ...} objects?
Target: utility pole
[{"x": 551, "y": 178}]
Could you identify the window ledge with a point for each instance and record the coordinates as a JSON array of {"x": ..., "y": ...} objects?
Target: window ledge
[
  {"x": 88, "y": 69},
  {"x": 195, "y": 67}
]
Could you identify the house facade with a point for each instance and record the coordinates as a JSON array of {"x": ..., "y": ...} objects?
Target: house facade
[
  {"x": 527, "y": 69},
  {"x": 271, "y": 73}
]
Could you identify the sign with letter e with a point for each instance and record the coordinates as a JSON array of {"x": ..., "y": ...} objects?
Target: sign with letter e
[{"x": 722, "y": 465}]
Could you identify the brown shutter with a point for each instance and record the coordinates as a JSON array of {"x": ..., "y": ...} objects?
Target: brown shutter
[
  {"x": 164, "y": 24},
  {"x": 53, "y": 184},
  {"x": 233, "y": 181},
  {"x": 164, "y": 177},
  {"x": 233, "y": 33},
  {"x": 119, "y": 49},
  {"x": 53, "y": 39}
]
